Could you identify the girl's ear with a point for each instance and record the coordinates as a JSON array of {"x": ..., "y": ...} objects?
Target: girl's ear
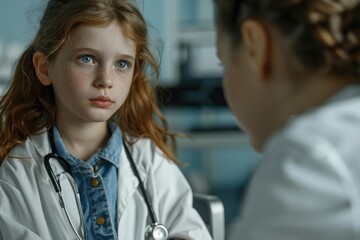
[
  {"x": 42, "y": 68},
  {"x": 258, "y": 47}
]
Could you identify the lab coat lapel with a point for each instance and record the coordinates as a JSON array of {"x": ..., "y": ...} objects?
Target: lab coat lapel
[
  {"x": 41, "y": 143},
  {"x": 127, "y": 181}
]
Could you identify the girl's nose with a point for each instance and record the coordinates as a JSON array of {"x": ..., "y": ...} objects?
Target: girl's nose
[{"x": 104, "y": 79}]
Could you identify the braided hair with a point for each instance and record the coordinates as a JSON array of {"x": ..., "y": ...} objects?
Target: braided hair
[{"x": 322, "y": 33}]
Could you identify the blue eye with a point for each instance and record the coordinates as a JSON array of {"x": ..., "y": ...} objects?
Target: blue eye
[
  {"x": 122, "y": 64},
  {"x": 86, "y": 59}
]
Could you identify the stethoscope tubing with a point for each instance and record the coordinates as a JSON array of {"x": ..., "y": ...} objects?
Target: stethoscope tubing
[
  {"x": 141, "y": 186},
  {"x": 57, "y": 188},
  {"x": 156, "y": 231},
  {"x": 56, "y": 184}
]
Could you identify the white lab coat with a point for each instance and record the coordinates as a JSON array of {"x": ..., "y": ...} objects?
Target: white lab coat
[
  {"x": 29, "y": 207},
  {"x": 307, "y": 186}
]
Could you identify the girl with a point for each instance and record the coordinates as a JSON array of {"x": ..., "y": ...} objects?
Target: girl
[
  {"x": 291, "y": 78},
  {"x": 84, "y": 147}
]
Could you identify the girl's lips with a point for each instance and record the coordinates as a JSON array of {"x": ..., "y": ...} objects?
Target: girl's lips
[
  {"x": 101, "y": 98},
  {"x": 101, "y": 101}
]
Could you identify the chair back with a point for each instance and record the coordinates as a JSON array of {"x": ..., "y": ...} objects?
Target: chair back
[{"x": 211, "y": 209}]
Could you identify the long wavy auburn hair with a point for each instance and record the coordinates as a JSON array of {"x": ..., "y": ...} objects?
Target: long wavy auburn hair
[{"x": 28, "y": 107}]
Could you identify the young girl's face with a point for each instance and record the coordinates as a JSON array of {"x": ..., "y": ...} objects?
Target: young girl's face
[{"x": 92, "y": 74}]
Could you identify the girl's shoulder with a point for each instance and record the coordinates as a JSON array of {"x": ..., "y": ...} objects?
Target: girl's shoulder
[
  {"x": 25, "y": 160},
  {"x": 147, "y": 155},
  {"x": 33, "y": 147}
]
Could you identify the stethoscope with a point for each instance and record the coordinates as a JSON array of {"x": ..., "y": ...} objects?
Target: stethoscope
[{"x": 153, "y": 231}]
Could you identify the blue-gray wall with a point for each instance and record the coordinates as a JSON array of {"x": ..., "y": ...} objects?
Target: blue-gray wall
[
  {"x": 19, "y": 22},
  {"x": 19, "y": 18}
]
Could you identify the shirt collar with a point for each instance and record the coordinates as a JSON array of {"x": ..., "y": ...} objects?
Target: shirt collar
[{"x": 110, "y": 153}]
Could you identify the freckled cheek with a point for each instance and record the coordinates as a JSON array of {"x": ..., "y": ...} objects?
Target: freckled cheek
[
  {"x": 126, "y": 82},
  {"x": 77, "y": 79},
  {"x": 126, "y": 88}
]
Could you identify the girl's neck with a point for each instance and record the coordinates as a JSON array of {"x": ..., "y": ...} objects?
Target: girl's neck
[{"x": 83, "y": 141}]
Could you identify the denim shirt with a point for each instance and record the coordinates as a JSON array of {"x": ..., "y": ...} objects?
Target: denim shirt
[{"x": 95, "y": 179}]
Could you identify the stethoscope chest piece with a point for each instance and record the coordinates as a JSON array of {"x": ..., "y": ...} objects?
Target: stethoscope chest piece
[{"x": 156, "y": 232}]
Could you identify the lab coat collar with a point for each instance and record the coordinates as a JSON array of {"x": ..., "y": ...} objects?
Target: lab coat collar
[
  {"x": 126, "y": 177},
  {"x": 348, "y": 91},
  {"x": 42, "y": 148},
  {"x": 41, "y": 143}
]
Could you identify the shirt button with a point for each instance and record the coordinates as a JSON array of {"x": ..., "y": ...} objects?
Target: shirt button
[
  {"x": 96, "y": 168},
  {"x": 94, "y": 182},
  {"x": 100, "y": 220}
]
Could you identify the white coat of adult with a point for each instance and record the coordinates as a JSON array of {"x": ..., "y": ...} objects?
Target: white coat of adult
[
  {"x": 29, "y": 206},
  {"x": 313, "y": 166}
]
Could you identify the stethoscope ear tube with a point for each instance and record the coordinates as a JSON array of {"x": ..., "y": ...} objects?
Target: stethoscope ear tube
[
  {"x": 50, "y": 172},
  {"x": 57, "y": 188}
]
